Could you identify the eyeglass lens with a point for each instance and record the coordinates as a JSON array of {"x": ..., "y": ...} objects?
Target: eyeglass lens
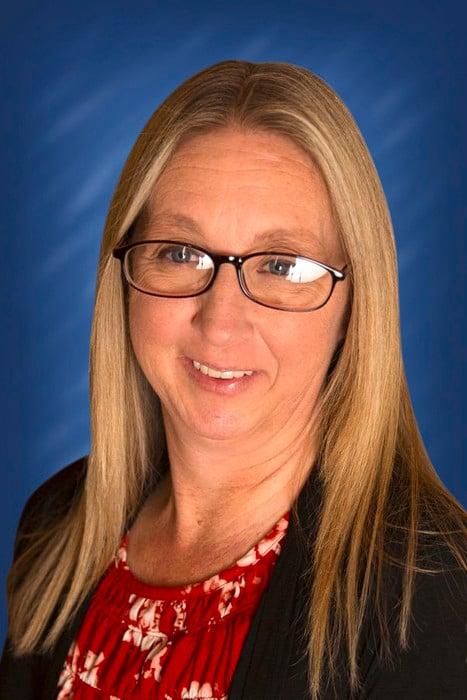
[{"x": 285, "y": 281}]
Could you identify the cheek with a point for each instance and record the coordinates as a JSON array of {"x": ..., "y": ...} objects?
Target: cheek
[
  {"x": 153, "y": 328},
  {"x": 305, "y": 348}
]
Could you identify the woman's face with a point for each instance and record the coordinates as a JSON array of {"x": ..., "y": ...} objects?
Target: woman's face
[{"x": 234, "y": 186}]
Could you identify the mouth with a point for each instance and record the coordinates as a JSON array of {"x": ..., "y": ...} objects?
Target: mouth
[
  {"x": 213, "y": 370},
  {"x": 228, "y": 386}
]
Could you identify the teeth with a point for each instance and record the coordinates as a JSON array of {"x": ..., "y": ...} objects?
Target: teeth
[{"x": 227, "y": 374}]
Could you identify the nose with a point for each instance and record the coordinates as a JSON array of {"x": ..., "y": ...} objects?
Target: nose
[
  {"x": 222, "y": 311},
  {"x": 225, "y": 291}
]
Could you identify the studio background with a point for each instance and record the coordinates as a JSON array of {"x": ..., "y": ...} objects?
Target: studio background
[{"x": 79, "y": 82}]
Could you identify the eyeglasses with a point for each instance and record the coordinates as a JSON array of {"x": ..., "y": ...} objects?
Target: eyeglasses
[{"x": 172, "y": 269}]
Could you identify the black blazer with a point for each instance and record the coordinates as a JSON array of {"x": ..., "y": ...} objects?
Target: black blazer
[{"x": 272, "y": 665}]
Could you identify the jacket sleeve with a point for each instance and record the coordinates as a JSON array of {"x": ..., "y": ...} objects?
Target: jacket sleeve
[
  {"x": 434, "y": 665},
  {"x": 20, "y": 676}
]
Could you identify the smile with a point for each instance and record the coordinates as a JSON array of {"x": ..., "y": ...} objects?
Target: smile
[{"x": 220, "y": 374}]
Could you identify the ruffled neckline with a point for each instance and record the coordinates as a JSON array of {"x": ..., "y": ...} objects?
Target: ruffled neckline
[{"x": 263, "y": 553}]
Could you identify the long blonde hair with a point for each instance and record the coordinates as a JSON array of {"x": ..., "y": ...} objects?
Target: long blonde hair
[{"x": 375, "y": 470}]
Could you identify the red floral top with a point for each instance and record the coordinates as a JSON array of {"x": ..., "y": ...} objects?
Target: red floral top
[{"x": 167, "y": 643}]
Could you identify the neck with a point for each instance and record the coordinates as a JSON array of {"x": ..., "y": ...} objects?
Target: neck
[{"x": 221, "y": 508}]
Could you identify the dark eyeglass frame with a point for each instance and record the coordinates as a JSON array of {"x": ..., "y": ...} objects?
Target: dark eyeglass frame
[{"x": 237, "y": 260}]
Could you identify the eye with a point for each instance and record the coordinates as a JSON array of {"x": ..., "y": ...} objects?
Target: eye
[
  {"x": 293, "y": 269},
  {"x": 278, "y": 267},
  {"x": 180, "y": 254},
  {"x": 177, "y": 253}
]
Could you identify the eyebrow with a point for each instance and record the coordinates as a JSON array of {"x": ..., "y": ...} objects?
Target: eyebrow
[{"x": 301, "y": 240}]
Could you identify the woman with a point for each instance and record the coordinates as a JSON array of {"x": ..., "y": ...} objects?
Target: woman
[{"x": 274, "y": 534}]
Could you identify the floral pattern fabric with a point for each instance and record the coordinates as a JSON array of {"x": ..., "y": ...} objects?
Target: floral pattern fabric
[{"x": 167, "y": 643}]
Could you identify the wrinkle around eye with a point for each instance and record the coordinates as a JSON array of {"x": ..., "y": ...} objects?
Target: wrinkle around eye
[{"x": 259, "y": 249}]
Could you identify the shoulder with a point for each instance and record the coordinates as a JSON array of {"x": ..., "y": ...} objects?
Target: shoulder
[
  {"x": 440, "y": 593},
  {"x": 433, "y": 664},
  {"x": 50, "y": 499},
  {"x": 440, "y": 599}
]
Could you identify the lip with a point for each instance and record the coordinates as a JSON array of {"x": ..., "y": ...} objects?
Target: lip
[
  {"x": 219, "y": 369},
  {"x": 226, "y": 387}
]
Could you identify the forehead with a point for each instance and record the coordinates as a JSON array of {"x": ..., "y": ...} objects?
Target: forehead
[
  {"x": 227, "y": 156},
  {"x": 267, "y": 147},
  {"x": 257, "y": 186}
]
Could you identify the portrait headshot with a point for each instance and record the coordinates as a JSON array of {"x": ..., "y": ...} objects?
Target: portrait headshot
[{"x": 257, "y": 515}]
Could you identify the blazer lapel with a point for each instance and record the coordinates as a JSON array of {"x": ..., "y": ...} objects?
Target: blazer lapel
[{"x": 273, "y": 661}]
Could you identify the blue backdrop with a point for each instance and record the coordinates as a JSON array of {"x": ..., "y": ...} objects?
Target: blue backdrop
[{"x": 80, "y": 80}]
